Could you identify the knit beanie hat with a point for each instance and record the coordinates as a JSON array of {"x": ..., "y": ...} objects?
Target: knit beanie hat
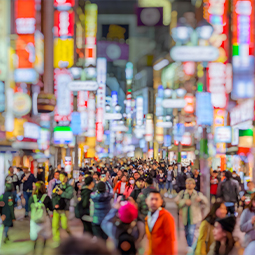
[
  {"x": 127, "y": 212},
  {"x": 101, "y": 187},
  {"x": 228, "y": 223}
]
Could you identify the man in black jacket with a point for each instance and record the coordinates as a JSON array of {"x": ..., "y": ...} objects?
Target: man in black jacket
[
  {"x": 181, "y": 180},
  {"x": 85, "y": 197},
  {"x": 138, "y": 188}
]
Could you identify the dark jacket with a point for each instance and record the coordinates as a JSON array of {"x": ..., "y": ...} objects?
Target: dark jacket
[
  {"x": 47, "y": 202},
  {"x": 134, "y": 194},
  {"x": 172, "y": 175},
  {"x": 228, "y": 190},
  {"x": 197, "y": 180},
  {"x": 62, "y": 200},
  {"x": 28, "y": 184},
  {"x": 162, "y": 179},
  {"x": 85, "y": 197},
  {"x": 8, "y": 208},
  {"x": 142, "y": 206},
  {"x": 102, "y": 205},
  {"x": 181, "y": 181}
]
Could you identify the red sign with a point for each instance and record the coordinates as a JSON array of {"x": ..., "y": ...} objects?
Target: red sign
[
  {"x": 83, "y": 100},
  {"x": 186, "y": 140},
  {"x": 25, "y": 16},
  {"x": 64, "y": 106},
  {"x": 64, "y": 23},
  {"x": 25, "y": 50},
  {"x": 64, "y": 4}
]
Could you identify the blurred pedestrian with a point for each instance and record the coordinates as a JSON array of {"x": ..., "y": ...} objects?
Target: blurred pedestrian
[
  {"x": 78, "y": 186},
  {"x": 120, "y": 187},
  {"x": 246, "y": 198},
  {"x": 181, "y": 180},
  {"x": 138, "y": 188},
  {"x": 161, "y": 180},
  {"x": 53, "y": 183},
  {"x": 205, "y": 238},
  {"x": 197, "y": 179},
  {"x": 129, "y": 187},
  {"x": 169, "y": 181},
  {"x": 190, "y": 202},
  {"x": 41, "y": 174},
  {"x": 213, "y": 186},
  {"x": 160, "y": 227}
]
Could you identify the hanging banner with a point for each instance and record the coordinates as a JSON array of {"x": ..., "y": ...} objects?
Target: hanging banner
[
  {"x": 64, "y": 96},
  {"x": 64, "y": 23}
]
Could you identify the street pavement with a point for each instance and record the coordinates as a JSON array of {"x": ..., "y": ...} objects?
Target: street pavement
[{"x": 21, "y": 244}]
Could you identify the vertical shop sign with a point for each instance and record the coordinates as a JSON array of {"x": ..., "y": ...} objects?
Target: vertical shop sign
[
  {"x": 64, "y": 96},
  {"x": 64, "y": 23},
  {"x": 139, "y": 111},
  {"x": 91, "y": 115}
]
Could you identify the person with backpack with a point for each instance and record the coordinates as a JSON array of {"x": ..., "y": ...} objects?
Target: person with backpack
[
  {"x": 159, "y": 227},
  {"x": 84, "y": 207},
  {"x": 181, "y": 180},
  {"x": 53, "y": 183},
  {"x": 62, "y": 194},
  {"x": 190, "y": 202},
  {"x": 38, "y": 205},
  {"x": 7, "y": 209},
  {"x": 228, "y": 190},
  {"x": 121, "y": 225},
  {"x": 102, "y": 205}
]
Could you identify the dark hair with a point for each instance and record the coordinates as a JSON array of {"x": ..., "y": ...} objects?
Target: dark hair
[
  {"x": 230, "y": 243},
  {"x": 85, "y": 245},
  {"x": 182, "y": 168},
  {"x": 149, "y": 181},
  {"x": 154, "y": 191},
  {"x": 250, "y": 206},
  {"x": 97, "y": 173},
  {"x": 64, "y": 173},
  {"x": 211, "y": 216},
  {"x": 250, "y": 182},
  {"x": 228, "y": 175},
  {"x": 88, "y": 180},
  {"x": 140, "y": 179},
  {"x": 57, "y": 172},
  {"x": 215, "y": 171},
  {"x": 42, "y": 189}
]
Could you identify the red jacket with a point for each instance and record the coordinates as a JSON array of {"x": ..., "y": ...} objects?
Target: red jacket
[
  {"x": 162, "y": 238},
  {"x": 117, "y": 187}
]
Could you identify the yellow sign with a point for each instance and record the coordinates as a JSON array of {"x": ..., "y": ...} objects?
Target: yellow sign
[
  {"x": 19, "y": 127},
  {"x": 63, "y": 53},
  {"x": 90, "y": 20}
]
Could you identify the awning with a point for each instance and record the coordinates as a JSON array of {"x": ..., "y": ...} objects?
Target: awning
[{"x": 184, "y": 148}]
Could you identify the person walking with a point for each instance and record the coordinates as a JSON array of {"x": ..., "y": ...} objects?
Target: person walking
[
  {"x": 27, "y": 179},
  {"x": 53, "y": 183},
  {"x": 225, "y": 243},
  {"x": 78, "y": 186},
  {"x": 205, "y": 238},
  {"x": 228, "y": 190},
  {"x": 247, "y": 221},
  {"x": 102, "y": 205},
  {"x": 197, "y": 179},
  {"x": 7, "y": 210},
  {"x": 86, "y": 191},
  {"x": 161, "y": 180},
  {"x": 246, "y": 198},
  {"x": 189, "y": 202},
  {"x": 120, "y": 187},
  {"x": 159, "y": 227},
  {"x": 181, "y": 179},
  {"x": 129, "y": 187},
  {"x": 39, "y": 204},
  {"x": 153, "y": 173},
  {"x": 213, "y": 186},
  {"x": 169, "y": 179},
  {"x": 62, "y": 194},
  {"x": 138, "y": 188}
]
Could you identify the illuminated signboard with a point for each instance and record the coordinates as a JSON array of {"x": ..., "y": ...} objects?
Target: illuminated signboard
[
  {"x": 216, "y": 13},
  {"x": 223, "y": 135},
  {"x": 149, "y": 128},
  {"x": 139, "y": 111},
  {"x": 25, "y": 16},
  {"x": 64, "y": 23},
  {"x": 189, "y": 108},
  {"x": 39, "y": 52},
  {"x": 63, "y": 4},
  {"x": 64, "y": 107},
  {"x": 91, "y": 115},
  {"x": 63, "y": 135}
]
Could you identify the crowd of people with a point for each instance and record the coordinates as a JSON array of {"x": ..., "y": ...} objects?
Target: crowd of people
[{"x": 125, "y": 202}]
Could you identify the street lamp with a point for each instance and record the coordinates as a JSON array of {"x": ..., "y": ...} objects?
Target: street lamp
[
  {"x": 117, "y": 108},
  {"x": 182, "y": 32},
  {"x": 204, "y": 30},
  {"x": 108, "y": 108}
]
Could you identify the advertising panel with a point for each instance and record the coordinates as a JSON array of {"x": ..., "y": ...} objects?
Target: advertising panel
[
  {"x": 64, "y": 107},
  {"x": 44, "y": 139},
  {"x": 63, "y": 135},
  {"x": 139, "y": 111},
  {"x": 63, "y": 4},
  {"x": 223, "y": 135},
  {"x": 64, "y": 23},
  {"x": 76, "y": 123},
  {"x": 39, "y": 52},
  {"x": 204, "y": 108},
  {"x": 149, "y": 128},
  {"x": 22, "y": 104},
  {"x": 189, "y": 108}
]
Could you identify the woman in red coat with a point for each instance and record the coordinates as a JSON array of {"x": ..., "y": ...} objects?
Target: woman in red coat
[{"x": 121, "y": 186}]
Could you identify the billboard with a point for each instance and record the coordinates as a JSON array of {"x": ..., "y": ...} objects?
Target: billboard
[{"x": 204, "y": 108}]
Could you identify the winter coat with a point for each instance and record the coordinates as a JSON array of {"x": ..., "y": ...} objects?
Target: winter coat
[
  {"x": 161, "y": 179},
  {"x": 162, "y": 238},
  {"x": 8, "y": 208},
  {"x": 102, "y": 205},
  {"x": 246, "y": 226},
  {"x": 47, "y": 202},
  {"x": 195, "y": 207},
  {"x": 181, "y": 180},
  {"x": 64, "y": 198},
  {"x": 135, "y": 193},
  {"x": 142, "y": 206},
  {"x": 85, "y": 197},
  {"x": 128, "y": 191},
  {"x": 117, "y": 187},
  {"x": 205, "y": 238},
  {"x": 228, "y": 190}
]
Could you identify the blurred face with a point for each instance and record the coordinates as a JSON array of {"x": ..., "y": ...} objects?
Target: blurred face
[
  {"x": 140, "y": 184},
  {"x": 11, "y": 170},
  {"x": 153, "y": 201},
  {"x": 221, "y": 212},
  {"x": 188, "y": 168},
  {"x": 80, "y": 178},
  {"x": 214, "y": 174},
  {"x": 160, "y": 171},
  {"x": 190, "y": 185},
  {"x": 115, "y": 170},
  {"x": 124, "y": 178},
  {"x": 63, "y": 178},
  {"x": 170, "y": 168},
  {"x": 119, "y": 174},
  {"x": 132, "y": 180},
  {"x": 218, "y": 233},
  {"x": 56, "y": 176},
  {"x": 250, "y": 186},
  {"x": 25, "y": 170},
  {"x": 136, "y": 176},
  {"x": 95, "y": 177}
]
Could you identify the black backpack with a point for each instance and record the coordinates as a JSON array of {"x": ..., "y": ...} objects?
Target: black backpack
[{"x": 126, "y": 242}]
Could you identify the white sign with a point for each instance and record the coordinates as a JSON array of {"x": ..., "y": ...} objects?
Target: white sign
[
  {"x": 139, "y": 111},
  {"x": 174, "y": 103},
  {"x": 27, "y": 75},
  {"x": 25, "y": 25},
  {"x": 164, "y": 124},
  {"x": 31, "y": 130},
  {"x": 119, "y": 128},
  {"x": 223, "y": 135},
  {"x": 242, "y": 112},
  {"x": 83, "y": 85},
  {"x": 113, "y": 116},
  {"x": 194, "y": 53}
]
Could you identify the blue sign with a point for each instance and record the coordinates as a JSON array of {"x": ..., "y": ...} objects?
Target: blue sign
[
  {"x": 204, "y": 108},
  {"x": 243, "y": 86},
  {"x": 160, "y": 91},
  {"x": 76, "y": 123},
  {"x": 179, "y": 130},
  {"x": 2, "y": 97},
  {"x": 167, "y": 140},
  {"x": 114, "y": 98},
  {"x": 28, "y": 75}
]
